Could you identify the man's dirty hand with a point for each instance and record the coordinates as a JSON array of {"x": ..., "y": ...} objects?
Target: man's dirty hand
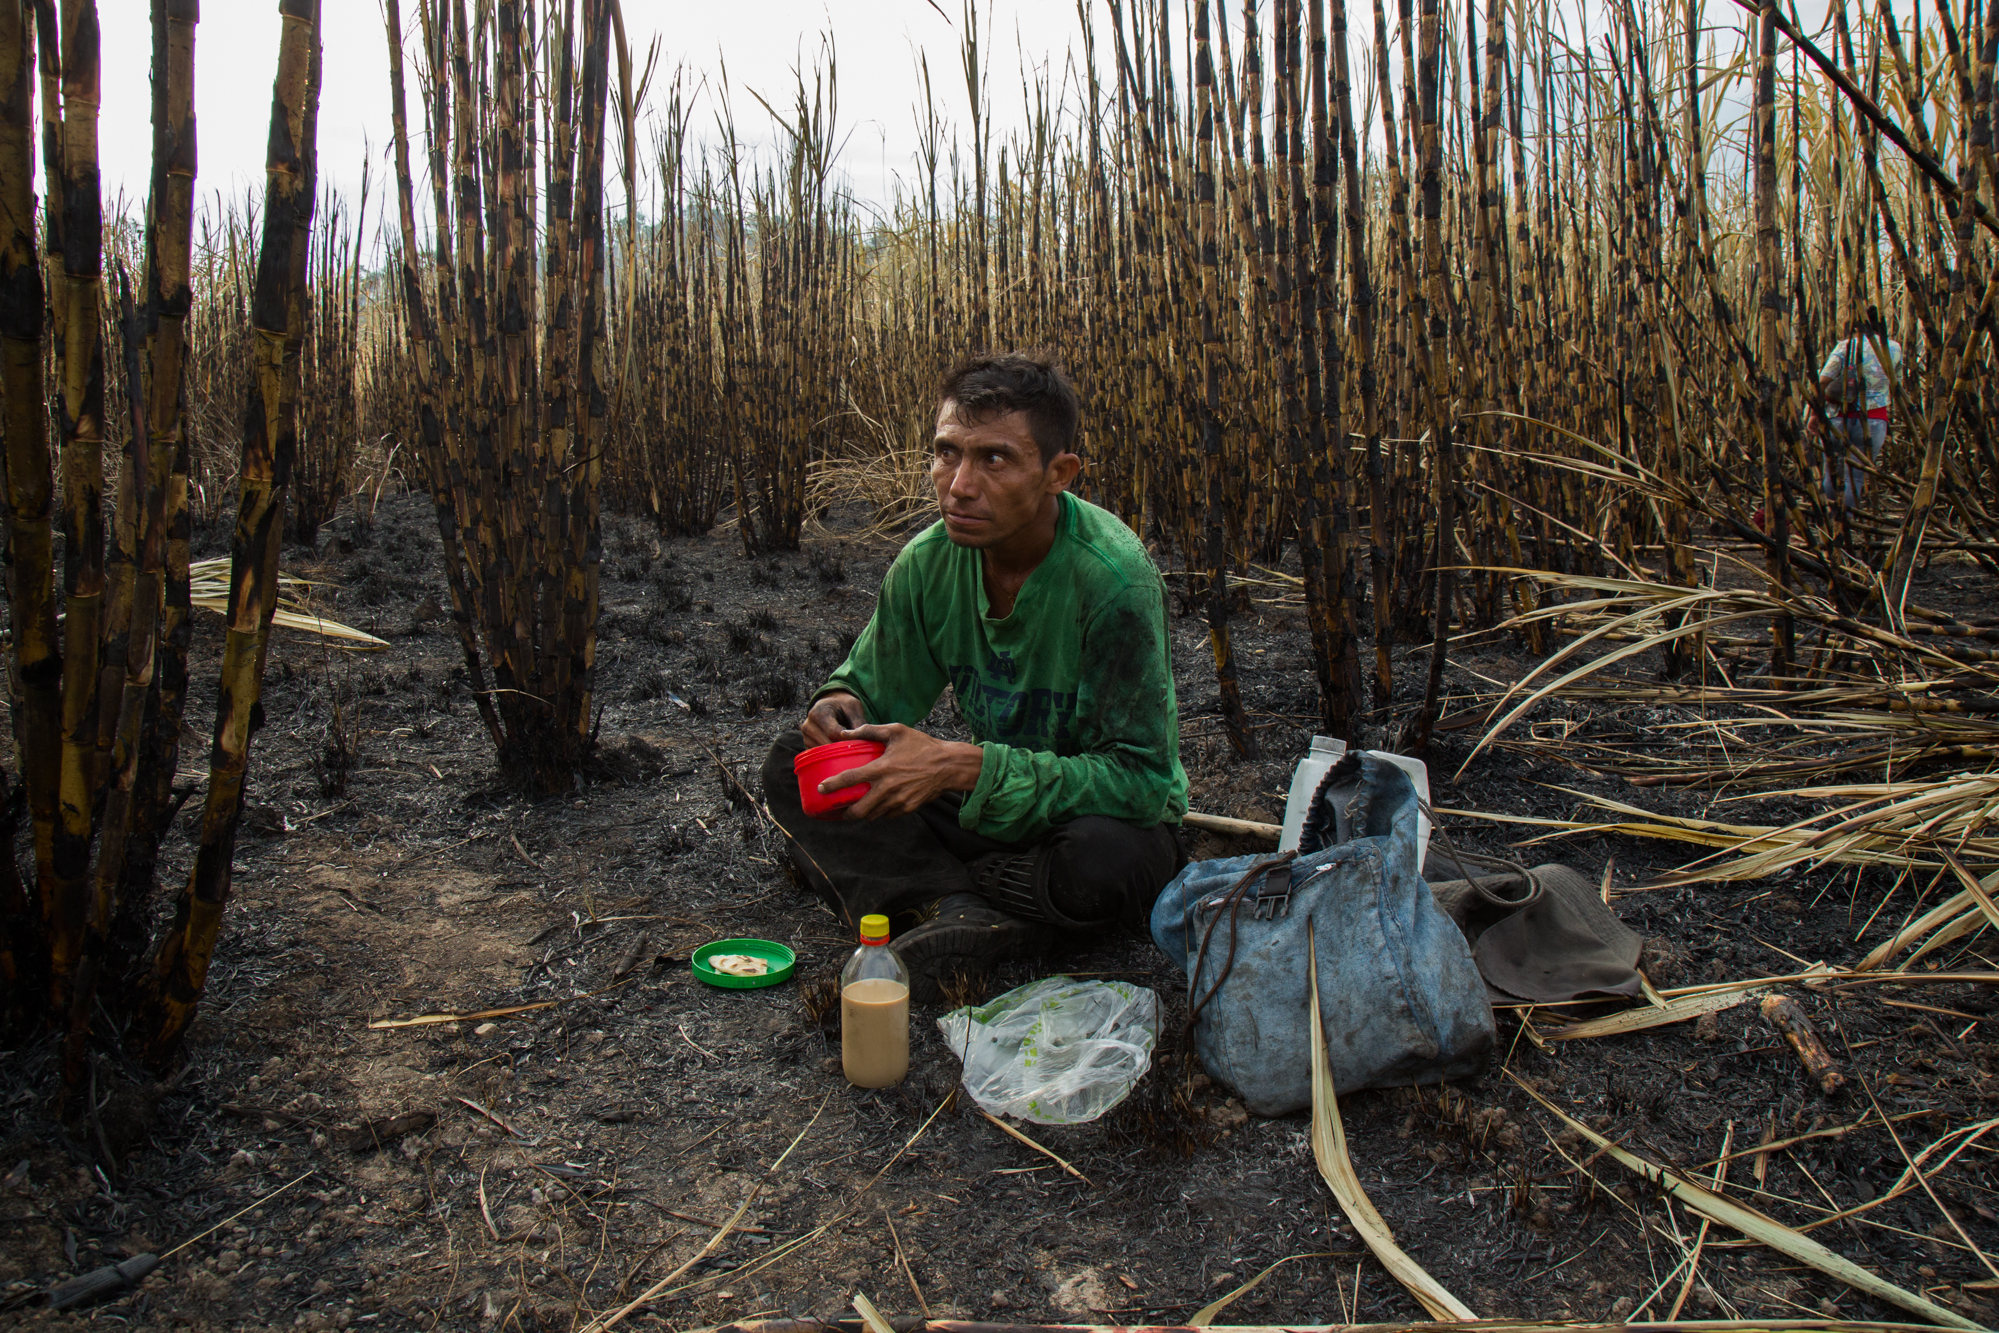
[
  {"x": 914, "y": 770},
  {"x": 832, "y": 718}
]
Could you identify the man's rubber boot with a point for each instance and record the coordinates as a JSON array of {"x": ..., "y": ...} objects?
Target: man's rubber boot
[
  {"x": 963, "y": 940},
  {"x": 1020, "y": 884}
]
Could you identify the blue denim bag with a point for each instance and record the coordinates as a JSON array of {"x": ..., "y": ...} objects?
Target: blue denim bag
[{"x": 1401, "y": 999}]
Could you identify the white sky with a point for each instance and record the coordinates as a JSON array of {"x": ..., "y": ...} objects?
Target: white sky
[{"x": 876, "y": 42}]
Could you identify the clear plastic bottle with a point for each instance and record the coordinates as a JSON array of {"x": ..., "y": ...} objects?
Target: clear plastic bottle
[{"x": 874, "y": 1011}]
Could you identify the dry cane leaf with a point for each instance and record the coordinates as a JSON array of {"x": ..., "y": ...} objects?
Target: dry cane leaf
[
  {"x": 1759, "y": 1227},
  {"x": 1329, "y": 1148},
  {"x": 431, "y": 1020},
  {"x": 611, "y": 1320},
  {"x": 1914, "y": 931},
  {"x": 870, "y": 1316},
  {"x": 1206, "y": 1314},
  {"x": 1636, "y": 1020},
  {"x": 1009, "y": 1129},
  {"x": 209, "y": 589}
]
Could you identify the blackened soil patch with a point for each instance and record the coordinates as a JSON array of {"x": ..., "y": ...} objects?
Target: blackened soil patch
[{"x": 521, "y": 1171}]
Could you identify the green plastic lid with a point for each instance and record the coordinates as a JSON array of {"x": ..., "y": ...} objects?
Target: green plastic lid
[{"x": 778, "y": 962}]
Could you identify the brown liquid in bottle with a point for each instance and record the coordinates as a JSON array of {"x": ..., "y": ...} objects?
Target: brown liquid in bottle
[{"x": 874, "y": 1032}]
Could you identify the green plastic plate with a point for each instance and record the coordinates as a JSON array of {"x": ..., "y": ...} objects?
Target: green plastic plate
[{"x": 781, "y": 960}]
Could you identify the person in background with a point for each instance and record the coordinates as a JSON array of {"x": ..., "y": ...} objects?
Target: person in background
[
  {"x": 1855, "y": 386},
  {"x": 1047, "y": 620}
]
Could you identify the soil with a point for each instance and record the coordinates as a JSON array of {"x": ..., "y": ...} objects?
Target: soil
[{"x": 529, "y": 1169}]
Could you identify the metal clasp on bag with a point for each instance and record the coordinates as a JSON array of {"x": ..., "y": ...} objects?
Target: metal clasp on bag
[{"x": 1273, "y": 896}]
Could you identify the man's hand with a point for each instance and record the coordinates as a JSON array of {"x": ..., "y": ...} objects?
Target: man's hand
[
  {"x": 832, "y": 717},
  {"x": 916, "y": 769}
]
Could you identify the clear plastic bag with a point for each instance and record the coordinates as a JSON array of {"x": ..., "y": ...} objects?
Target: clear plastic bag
[{"x": 1055, "y": 1051}]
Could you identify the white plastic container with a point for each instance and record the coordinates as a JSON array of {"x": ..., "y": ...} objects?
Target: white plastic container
[
  {"x": 1311, "y": 770},
  {"x": 1327, "y": 751}
]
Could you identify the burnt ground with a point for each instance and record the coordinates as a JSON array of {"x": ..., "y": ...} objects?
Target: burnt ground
[{"x": 527, "y": 1170}]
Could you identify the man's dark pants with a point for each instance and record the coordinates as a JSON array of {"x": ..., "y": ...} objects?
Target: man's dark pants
[{"x": 1088, "y": 874}]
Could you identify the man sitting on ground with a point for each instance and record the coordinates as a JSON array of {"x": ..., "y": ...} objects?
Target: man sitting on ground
[{"x": 1047, "y": 619}]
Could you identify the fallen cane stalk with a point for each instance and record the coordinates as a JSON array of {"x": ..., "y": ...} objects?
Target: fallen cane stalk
[
  {"x": 780, "y": 1252},
  {"x": 714, "y": 1242},
  {"x": 430, "y": 1020},
  {"x": 1205, "y": 1316},
  {"x": 1329, "y": 1149},
  {"x": 490, "y": 1116},
  {"x": 903, "y": 1260},
  {"x": 1242, "y": 828},
  {"x": 1924, "y": 1181},
  {"x": 1694, "y": 1263},
  {"x": 1784, "y": 1014},
  {"x": 870, "y": 1316},
  {"x": 1756, "y": 1225},
  {"x": 103, "y": 1283},
  {"x": 486, "y": 1209},
  {"x": 1635, "y": 1020},
  {"x": 1009, "y": 1129}
]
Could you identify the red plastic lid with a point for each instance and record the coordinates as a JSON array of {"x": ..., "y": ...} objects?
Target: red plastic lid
[{"x": 820, "y": 754}]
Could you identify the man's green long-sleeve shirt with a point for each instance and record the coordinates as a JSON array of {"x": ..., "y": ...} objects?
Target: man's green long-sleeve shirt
[{"x": 1070, "y": 696}]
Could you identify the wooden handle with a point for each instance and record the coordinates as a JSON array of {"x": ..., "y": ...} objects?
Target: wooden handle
[{"x": 1241, "y": 828}]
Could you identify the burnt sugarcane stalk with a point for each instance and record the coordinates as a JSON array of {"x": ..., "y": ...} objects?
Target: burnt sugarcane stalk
[
  {"x": 1216, "y": 554},
  {"x": 270, "y": 425},
  {"x": 34, "y": 658},
  {"x": 1329, "y": 515},
  {"x": 1769, "y": 261},
  {"x": 74, "y": 239},
  {"x": 438, "y": 412},
  {"x": 168, "y": 298},
  {"x": 1436, "y": 363},
  {"x": 510, "y": 330},
  {"x": 141, "y": 549},
  {"x": 1360, "y": 344},
  {"x": 1383, "y": 510}
]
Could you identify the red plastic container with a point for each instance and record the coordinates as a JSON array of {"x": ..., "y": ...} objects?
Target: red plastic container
[{"x": 823, "y": 761}]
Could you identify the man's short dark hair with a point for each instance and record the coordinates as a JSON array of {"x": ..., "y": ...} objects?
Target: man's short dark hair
[{"x": 992, "y": 384}]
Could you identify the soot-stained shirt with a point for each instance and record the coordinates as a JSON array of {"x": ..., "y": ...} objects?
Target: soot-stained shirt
[{"x": 1070, "y": 696}]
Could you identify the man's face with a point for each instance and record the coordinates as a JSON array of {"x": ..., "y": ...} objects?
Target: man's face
[{"x": 991, "y": 481}]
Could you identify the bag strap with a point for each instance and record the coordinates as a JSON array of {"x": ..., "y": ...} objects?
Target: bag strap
[
  {"x": 1231, "y": 902},
  {"x": 1469, "y": 861}
]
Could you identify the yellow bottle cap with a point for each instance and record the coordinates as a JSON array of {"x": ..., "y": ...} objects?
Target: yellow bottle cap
[{"x": 874, "y": 929}]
